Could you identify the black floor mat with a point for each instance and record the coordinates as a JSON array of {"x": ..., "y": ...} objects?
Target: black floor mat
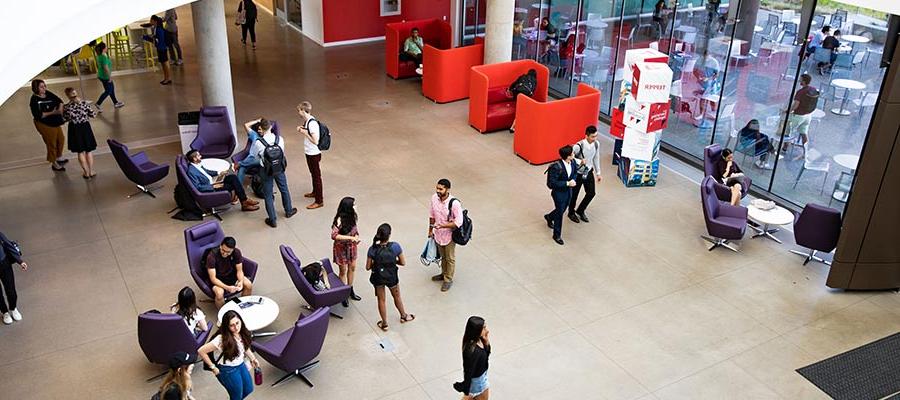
[{"x": 868, "y": 372}]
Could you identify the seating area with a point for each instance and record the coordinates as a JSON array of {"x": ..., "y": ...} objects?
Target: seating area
[
  {"x": 434, "y": 32},
  {"x": 138, "y": 168},
  {"x": 539, "y": 130},
  {"x": 491, "y": 108},
  {"x": 447, "y": 76}
]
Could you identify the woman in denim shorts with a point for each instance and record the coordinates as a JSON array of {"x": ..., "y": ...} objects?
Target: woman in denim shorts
[{"x": 476, "y": 349}]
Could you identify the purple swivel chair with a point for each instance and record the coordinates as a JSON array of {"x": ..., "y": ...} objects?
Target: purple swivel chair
[
  {"x": 209, "y": 235},
  {"x": 293, "y": 349},
  {"x": 316, "y": 299},
  {"x": 212, "y": 203},
  {"x": 137, "y": 168},
  {"x": 724, "y": 222},
  {"x": 818, "y": 229},
  {"x": 214, "y": 133},
  {"x": 711, "y": 155},
  {"x": 161, "y": 335}
]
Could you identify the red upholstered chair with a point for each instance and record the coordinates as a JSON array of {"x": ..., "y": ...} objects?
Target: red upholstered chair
[
  {"x": 445, "y": 77},
  {"x": 433, "y": 31},
  {"x": 543, "y": 127},
  {"x": 490, "y": 109}
]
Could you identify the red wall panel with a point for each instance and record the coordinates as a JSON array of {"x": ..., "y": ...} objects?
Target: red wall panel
[{"x": 359, "y": 19}]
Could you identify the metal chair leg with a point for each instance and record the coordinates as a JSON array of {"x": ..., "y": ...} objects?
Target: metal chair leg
[{"x": 298, "y": 373}]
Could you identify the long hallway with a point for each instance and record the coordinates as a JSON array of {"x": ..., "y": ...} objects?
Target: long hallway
[{"x": 632, "y": 307}]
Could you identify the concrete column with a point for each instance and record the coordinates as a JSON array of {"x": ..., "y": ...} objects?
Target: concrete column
[
  {"x": 498, "y": 31},
  {"x": 212, "y": 51}
]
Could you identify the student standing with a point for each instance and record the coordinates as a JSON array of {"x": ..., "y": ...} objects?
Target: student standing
[
  {"x": 104, "y": 75},
  {"x": 476, "y": 349},
  {"x": 158, "y": 38},
  {"x": 234, "y": 341},
  {"x": 587, "y": 154},
  {"x": 310, "y": 131},
  {"x": 269, "y": 150},
  {"x": 178, "y": 384},
  {"x": 249, "y": 25},
  {"x": 442, "y": 220},
  {"x": 81, "y": 137},
  {"x": 383, "y": 258},
  {"x": 345, "y": 235},
  {"x": 171, "y": 25},
  {"x": 560, "y": 180},
  {"x": 9, "y": 255},
  {"x": 47, "y": 109}
]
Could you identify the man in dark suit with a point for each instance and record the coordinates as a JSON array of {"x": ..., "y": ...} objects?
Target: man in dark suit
[
  {"x": 208, "y": 181},
  {"x": 560, "y": 180}
]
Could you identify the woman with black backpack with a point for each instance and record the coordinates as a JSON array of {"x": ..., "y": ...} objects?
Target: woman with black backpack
[
  {"x": 383, "y": 258},
  {"x": 524, "y": 84}
]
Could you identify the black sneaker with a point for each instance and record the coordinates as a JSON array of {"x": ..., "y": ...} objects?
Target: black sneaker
[
  {"x": 290, "y": 213},
  {"x": 271, "y": 223},
  {"x": 345, "y": 303},
  {"x": 559, "y": 241},
  {"x": 583, "y": 218},
  {"x": 574, "y": 218},
  {"x": 549, "y": 221}
]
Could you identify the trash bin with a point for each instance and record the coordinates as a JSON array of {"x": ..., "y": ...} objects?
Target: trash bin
[{"x": 187, "y": 128}]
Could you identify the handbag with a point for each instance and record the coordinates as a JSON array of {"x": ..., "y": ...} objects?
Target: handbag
[
  {"x": 257, "y": 376},
  {"x": 430, "y": 253},
  {"x": 240, "y": 18},
  {"x": 583, "y": 171}
]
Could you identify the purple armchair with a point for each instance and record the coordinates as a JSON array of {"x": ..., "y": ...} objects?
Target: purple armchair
[
  {"x": 293, "y": 349},
  {"x": 203, "y": 236},
  {"x": 137, "y": 168},
  {"x": 215, "y": 138},
  {"x": 160, "y": 335},
  {"x": 711, "y": 155},
  {"x": 724, "y": 222},
  {"x": 316, "y": 299},
  {"x": 210, "y": 202},
  {"x": 818, "y": 229}
]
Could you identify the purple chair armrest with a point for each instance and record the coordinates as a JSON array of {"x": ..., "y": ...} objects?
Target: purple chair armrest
[
  {"x": 334, "y": 295},
  {"x": 722, "y": 192},
  {"x": 250, "y": 268},
  {"x": 140, "y": 158},
  {"x": 728, "y": 210},
  {"x": 326, "y": 263},
  {"x": 202, "y": 336},
  {"x": 267, "y": 352}
]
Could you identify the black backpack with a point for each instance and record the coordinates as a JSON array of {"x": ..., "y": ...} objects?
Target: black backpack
[
  {"x": 463, "y": 233},
  {"x": 273, "y": 159},
  {"x": 256, "y": 184},
  {"x": 189, "y": 210},
  {"x": 324, "y": 134}
]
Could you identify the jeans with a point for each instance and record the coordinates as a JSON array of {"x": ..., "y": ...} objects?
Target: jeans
[
  {"x": 560, "y": 203},
  {"x": 109, "y": 90},
  {"x": 236, "y": 380},
  {"x": 8, "y": 279},
  {"x": 589, "y": 192},
  {"x": 248, "y": 164},
  {"x": 479, "y": 385},
  {"x": 281, "y": 181},
  {"x": 316, "y": 173}
]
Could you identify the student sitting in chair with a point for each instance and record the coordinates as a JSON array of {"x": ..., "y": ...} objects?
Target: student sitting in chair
[{"x": 316, "y": 275}]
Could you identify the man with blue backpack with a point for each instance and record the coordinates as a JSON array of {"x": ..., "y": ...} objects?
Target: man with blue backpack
[
  {"x": 269, "y": 150},
  {"x": 449, "y": 225}
]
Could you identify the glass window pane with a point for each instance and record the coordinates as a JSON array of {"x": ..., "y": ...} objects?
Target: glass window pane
[{"x": 600, "y": 20}]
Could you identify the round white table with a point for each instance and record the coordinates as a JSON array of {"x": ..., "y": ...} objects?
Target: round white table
[
  {"x": 766, "y": 218},
  {"x": 848, "y": 85},
  {"x": 520, "y": 10},
  {"x": 257, "y": 312},
  {"x": 855, "y": 39},
  {"x": 848, "y": 161},
  {"x": 215, "y": 164}
]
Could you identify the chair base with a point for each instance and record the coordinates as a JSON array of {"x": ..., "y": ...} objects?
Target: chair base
[
  {"x": 718, "y": 242},
  {"x": 298, "y": 373},
  {"x": 308, "y": 308},
  {"x": 811, "y": 256},
  {"x": 148, "y": 190},
  {"x": 214, "y": 212}
]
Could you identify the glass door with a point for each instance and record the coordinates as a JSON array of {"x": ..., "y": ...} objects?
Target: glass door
[
  {"x": 294, "y": 14},
  {"x": 473, "y": 15}
]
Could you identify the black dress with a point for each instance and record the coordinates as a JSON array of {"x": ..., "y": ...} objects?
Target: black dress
[
  {"x": 720, "y": 173},
  {"x": 81, "y": 136}
]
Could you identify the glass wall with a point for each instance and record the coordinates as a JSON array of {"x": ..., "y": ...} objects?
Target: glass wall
[{"x": 740, "y": 68}]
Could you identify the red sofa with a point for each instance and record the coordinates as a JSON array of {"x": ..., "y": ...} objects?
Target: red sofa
[
  {"x": 445, "y": 75},
  {"x": 543, "y": 127},
  {"x": 433, "y": 31},
  {"x": 490, "y": 109}
]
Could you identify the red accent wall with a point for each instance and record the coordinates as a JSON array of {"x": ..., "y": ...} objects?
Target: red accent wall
[{"x": 359, "y": 19}]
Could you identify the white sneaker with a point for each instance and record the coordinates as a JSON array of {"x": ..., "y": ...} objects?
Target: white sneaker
[
  {"x": 99, "y": 110},
  {"x": 7, "y": 319},
  {"x": 16, "y": 315},
  {"x": 120, "y": 104},
  {"x": 419, "y": 71}
]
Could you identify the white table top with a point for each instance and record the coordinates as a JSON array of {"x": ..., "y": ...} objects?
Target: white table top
[
  {"x": 776, "y": 216},
  {"x": 848, "y": 84},
  {"x": 521, "y": 10},
  {"x": 255, "y": 316},
  {"x": 848, "y": 161},
  {"x": 596, "y": 23},
  {"x": 855, "y": 38},
  {"x": 215, "y": 164}
]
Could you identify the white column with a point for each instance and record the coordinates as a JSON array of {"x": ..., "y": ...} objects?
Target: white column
[
  {"x": 498, "y": 31},
  {"x": 212, "y": 52}
]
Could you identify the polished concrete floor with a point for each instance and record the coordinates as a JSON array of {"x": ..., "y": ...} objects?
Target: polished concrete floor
[{"x": 632, "y": 307}]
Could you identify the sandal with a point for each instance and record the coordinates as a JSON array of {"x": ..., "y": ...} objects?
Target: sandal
[
  {"x": 407, "y": 318},
  {"x": 382, "y": 325}
]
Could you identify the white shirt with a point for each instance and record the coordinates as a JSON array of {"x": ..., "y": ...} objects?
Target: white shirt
[
  {"x": 239, "y": 360},
  {"x": 193, "y": 319},
  {"x": 568, "y": 166},
  {"x": 590, "y": 152},
  {"x": 258, "y": 147},
  {"x": 310, "y": 148},
  {"x": 208, "y": 176}
]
